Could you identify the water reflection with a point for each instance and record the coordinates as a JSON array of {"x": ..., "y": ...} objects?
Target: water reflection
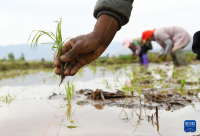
[
  {"x": 152, "y": 118},
  {"x": 98, "y": 107},
  {"x": 104, "y": 119}
]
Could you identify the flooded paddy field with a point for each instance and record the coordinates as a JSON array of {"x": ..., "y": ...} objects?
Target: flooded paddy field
[{"x": 118, "y": 100}]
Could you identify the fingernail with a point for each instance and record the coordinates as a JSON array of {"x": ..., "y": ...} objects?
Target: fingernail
[{"x": 62, "y": 58}]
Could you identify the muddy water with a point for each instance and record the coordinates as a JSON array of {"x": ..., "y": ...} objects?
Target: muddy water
[{"x": 30, "y": 113}]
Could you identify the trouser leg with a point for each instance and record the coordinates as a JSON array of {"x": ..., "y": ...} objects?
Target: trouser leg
[
  {"x": 145, "y": 59},
  {"x": 141, "y": 60},
  {"x": 179, "y": 58}
]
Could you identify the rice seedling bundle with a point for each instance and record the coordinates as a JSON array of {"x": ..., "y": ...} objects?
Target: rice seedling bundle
[{"x": 56, "y": 45}]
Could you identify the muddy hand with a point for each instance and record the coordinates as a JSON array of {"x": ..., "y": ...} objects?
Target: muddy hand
[
  {"x": 135, "y": 56},
  {"x": 164, "y": 57},
  {"x": 84, "y": 49},
  {"x": 156, "y": 59}
]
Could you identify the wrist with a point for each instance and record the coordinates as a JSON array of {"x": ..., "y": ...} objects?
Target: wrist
[{"x": 105, "y": 29}]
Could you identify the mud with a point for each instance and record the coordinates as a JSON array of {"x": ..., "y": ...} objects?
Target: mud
[
  {"x": 188, "y": 83},
  {"x": 56, "y": 96},
  {"x": 168, "y": 100}
]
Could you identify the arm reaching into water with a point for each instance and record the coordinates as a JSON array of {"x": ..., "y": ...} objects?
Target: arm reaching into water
[
  {"x": 111, "y": 16},
  {"x": 86, "y": 48},
  {"x": 166, "y": 50}
]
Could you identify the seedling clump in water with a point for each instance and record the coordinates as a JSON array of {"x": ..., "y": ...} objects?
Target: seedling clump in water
[{"x": 57, "y": 45}]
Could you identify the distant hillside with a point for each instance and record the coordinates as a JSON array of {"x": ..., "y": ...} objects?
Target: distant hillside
[{"x": 44, "y": 51}]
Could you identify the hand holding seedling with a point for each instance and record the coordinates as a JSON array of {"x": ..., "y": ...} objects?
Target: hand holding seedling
[
  {"x": 79, "y": 51},
  {"x": 84, "y": 49},
  {"x": 135, "y": 56}
]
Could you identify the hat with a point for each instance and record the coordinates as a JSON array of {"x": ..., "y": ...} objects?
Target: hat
[
  {"x": 126, "y": 43},
  {"x": 146, "y": 34},
  {"x": 135, "y": 43}
]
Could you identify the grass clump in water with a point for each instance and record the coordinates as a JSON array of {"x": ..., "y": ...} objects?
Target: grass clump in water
[
  {"x": 182, "y": 84},
  {"x": 7, "y": 99},
  {"x": 56, "y": 45}
]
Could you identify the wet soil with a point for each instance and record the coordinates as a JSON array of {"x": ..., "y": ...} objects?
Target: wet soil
[
  {"x": 40, "y": 103},
  {"x": 151, "y": 100}
]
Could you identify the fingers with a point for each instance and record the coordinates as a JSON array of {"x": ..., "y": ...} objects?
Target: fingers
[
  {"x": 69, "y": 67},
  {"x": 56, "y": 62},
  {"x": 69, "y": 50},
  {"x": 71, "y": 54},
  {"x": 76, "y": 68},
  {"x": 57, "y": 71},
  {"x": 67, "y": 46},
  {"x": 72, "y": 68}
]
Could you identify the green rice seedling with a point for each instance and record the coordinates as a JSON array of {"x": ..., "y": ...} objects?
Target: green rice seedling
[
  {"x": 128, "y": 89},
  {"x": 175, "y": 73},
  {"x": 80, "y": 72},
  {"x": 110, "y": 68},
  {"x": 192, "y": 88},
  {"x": 182, "y": 84},
  {"x": 108, "y": 86},
  {"x": 93, "y": 68},
  {"x": 197, "y": 92},
  {"x": 98, "y": 63},
  {"x": 69, "y": 88},
  {"x": 138, "y": 91},
  {"x": 57, "y": 44},
  {"x": 138, "y": 122},
  {"x": 130, "y": 77},
  {"x": 133, "y": 78},
  {"x": 69, "y": 114},
  {"x": 161, "y": 80},
  {"x": 7, "y": 99},
  {"x": 117, "y": 80}
]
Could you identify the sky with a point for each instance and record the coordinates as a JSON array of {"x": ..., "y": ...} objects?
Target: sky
[{"x": 18, "y": 18}]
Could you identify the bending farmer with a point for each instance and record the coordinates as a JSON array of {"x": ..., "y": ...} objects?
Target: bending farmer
[
  {"x": 133, "y": 45},
  {"x": 173, "y": 40},
  {"x": 139, "y": 48}
]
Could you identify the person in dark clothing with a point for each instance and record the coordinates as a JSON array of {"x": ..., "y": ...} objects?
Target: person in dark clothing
[
  {"x": 196, "y": 44},
  {"x": 138, "y": 48},
  {"x": 143, "y": 53}
]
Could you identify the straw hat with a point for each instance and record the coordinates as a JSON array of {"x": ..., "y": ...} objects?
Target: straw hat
[{"x": 126, "y": 43}]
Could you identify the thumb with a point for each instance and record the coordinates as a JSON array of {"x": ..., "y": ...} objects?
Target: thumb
[{"x": 70, "y": 55}]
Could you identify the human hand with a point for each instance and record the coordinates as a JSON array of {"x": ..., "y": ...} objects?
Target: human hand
[
  {"x": 173, "y": 49},
  {"x": 135, "y": 56},
  {"x": 84, "y": 49},
  {"x": 164, "y": 57},
  {"x": 156, "y": 59}
]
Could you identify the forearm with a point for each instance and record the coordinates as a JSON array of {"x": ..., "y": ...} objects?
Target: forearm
[
  {"x": 168, "y": 47},
  {"x": 138, "y": 49},
  {"x": 105, "y": 29},
  {"x": 161, "y": 53},
  {"x": 133, "y": 51}
]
